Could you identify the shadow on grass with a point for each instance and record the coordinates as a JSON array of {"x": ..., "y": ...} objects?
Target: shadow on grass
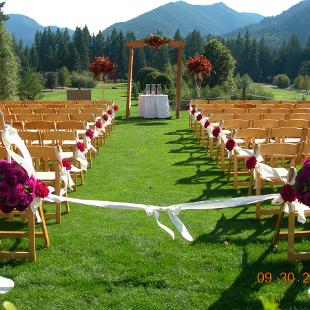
[{"x": 239, "y": 294}]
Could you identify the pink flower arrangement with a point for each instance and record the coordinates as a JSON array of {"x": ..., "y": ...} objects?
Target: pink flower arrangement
[
  {"x": 98, "y": 124},
  {"x": 230, "y": 144},
  {"x": 188, "y": 107},
  {"x": 81, "y": 146},
  {"x": 251, "y": 163},
  {"x": 90, "y": 134},
  {"x": 303, "y": 183},
  {"x": 66, "y": 163},
  {"x": 115, "y": 107},
  {"x": 110, "y": 112},
  {"x": 102, "y": 66},
  {"x": 156, "y": 41},
  {"x": 207, "y": 124},
  {"x": 199, "y": 117},
  {"x": 105, "y": 117},
  {"x": 193, "y": 111},
  {"x": 288, "y": 193},
  {"x": 17, "y": 189},
  {"x": 41, "y": 189},
  {"x": 216, "y": 131}
]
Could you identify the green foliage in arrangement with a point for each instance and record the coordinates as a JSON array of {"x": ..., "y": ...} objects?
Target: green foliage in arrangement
[
  {"x": 281, "y": 81},
  {"x": 30, "y": 86}
]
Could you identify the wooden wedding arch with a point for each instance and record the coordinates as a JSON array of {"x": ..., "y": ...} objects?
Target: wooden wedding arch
[{"x": 132, "y": 45}]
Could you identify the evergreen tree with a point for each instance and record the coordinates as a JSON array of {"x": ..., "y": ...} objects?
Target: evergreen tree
[
  {"x": 9, "y": 71},
  {"x": 99, "y": 44},
  {"x": 293, "y": 58},
  {"x": 193, "y": 44}
]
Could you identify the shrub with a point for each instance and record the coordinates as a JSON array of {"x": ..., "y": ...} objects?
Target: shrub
[
  {"x": 30, "y": 86},
  {"x": 64, "y": 77},
  {"x": 82, "y": 80},
  {"x": 164, "y": 80},
  {"x": 281, "y": 81},
  {"x": 51, "y": 80},
  {"x": 143, "y": 76}
]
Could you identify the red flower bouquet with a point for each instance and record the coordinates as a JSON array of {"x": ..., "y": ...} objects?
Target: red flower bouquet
[
  {"x": 110, "y": 112},
  {"x": 66, "y": 163},
  {"x": 105, "y": 117},
  {"x": 17, "y": 189},
  {"x": 199, "y": 117},
  {"x": 230, "y": 144},
  {"x": 101, "y": 67},
  {"x": 156, "y": 41},
  {"x": 207, "y": 124},
  {"x": 303, "y": 183},
  {"x": 288, "y": 193},
  {"x": 81, "y": 146},
  {"x": 188, "y": 107},
  {"x": 115, "y": 107},
  {"x": 251, "y": 163},
  {"x": 199, "y": 66},
  {"x": 98, "y": 124},
  {"x": 193, "y": 111},
  {"x": 90, "y": 134},
  {"x": 216, "y": 131}
]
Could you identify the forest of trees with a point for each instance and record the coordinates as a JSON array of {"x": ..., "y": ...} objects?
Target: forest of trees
[{"x": 54, "y": 50}]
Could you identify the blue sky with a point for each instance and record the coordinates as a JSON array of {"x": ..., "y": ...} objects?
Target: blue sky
[{"x": 99, "y": 14}]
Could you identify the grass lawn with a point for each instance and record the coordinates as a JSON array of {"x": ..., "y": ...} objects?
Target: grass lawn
[
  {"x": 112, "y": 259},
  {"x": 288, "y": 94}
]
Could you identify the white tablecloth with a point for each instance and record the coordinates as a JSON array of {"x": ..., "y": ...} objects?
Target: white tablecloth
[{"x": 153, "y": 106}]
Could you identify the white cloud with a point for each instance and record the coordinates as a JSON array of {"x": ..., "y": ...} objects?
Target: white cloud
[{"x": 99, "y": 14}]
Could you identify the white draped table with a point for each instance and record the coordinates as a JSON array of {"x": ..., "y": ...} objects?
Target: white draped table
[{"x": 153, "y": 106}]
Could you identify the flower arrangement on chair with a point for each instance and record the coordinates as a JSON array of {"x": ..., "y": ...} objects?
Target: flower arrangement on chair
[
  {"x": 101, "y": 67},
  {"x": 156, "y": 41},
  {"x": 18, "y": 190},
  {"x": 199, "y": 67}
]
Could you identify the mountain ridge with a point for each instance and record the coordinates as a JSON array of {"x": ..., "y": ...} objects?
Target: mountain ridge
[
  {"x": 24, "y": 28},
  {"x": 216, "y": 19}
]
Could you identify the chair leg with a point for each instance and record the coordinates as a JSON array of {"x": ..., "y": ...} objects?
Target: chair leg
[
  {"x": 291, "y": 232},
  {"x": 32, "y": 236},
  {"x": 277, "y": 229},
  {"x": 258, "y": 204},
  {"x": 58, "y": 213},
  {"x": 43, "y": 226}
]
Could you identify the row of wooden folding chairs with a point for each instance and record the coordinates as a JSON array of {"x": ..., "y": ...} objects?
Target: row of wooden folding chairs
[
  {"x": 228, "y": 110},
  {"x": 50, "y": 110},
  {"x": 55, "y": 103},
  {"x": 250, "y": 103}
]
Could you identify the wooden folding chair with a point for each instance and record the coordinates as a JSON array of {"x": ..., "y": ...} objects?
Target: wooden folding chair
[
  {"x": 296, "y": 123},
  {"x": 44, "y": 110},
  {"x": 48, "y": 170},
  {"x": 40, "y": 125},
  {"x": 280, "y": 156},
  {"x": 57, "y": 117},
  {"x": 31, "y": 234},
  {"x": 26, "y": 117},
  {"x": 266, "y": 123},
  {"x": 227, "y": 127},
  {"x": 246, "y": 139},
  {"x": 286, "y": 135},
  {"x": 276, "y": 116},
  {"x": 30, "y": 137},
  {"x": 67, "y": 140},
  {"x": 299, "y": 116},
  {"x": 18, "y": 110}
]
